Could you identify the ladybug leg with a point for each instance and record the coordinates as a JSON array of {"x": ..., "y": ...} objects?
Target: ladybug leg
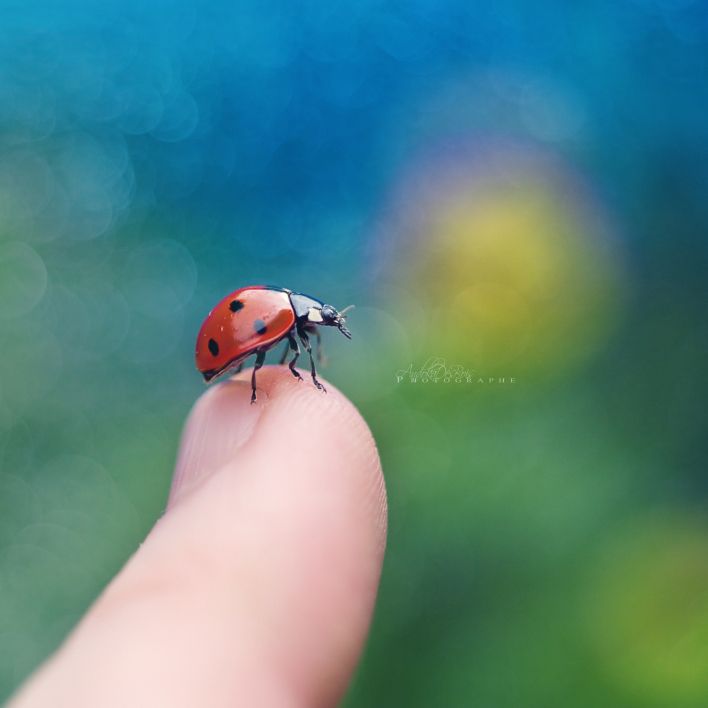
[
  {"x": 292, "y": 344},
  {"x": 306, "y": 342},
  {"x": 285, "y": 354},
  {"x": 260, "y": 358},
  {"x": 321, "y": 358}
]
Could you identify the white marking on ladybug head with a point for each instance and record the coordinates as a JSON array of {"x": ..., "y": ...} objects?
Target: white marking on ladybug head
[{"x": 314, "y": 314}]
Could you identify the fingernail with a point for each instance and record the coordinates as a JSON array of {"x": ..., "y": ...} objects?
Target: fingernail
[{"x": 220, "y": 423}]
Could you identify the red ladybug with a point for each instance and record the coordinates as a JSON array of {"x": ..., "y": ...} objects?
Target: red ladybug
[{"x": 253, "y": 319}]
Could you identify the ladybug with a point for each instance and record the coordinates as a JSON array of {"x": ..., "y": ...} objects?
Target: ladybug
[{"x": 252, "y": 320}]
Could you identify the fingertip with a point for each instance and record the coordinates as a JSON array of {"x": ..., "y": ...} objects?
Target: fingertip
[
  {"x": 221, "y": 421},
  {"x": 298, "y": 512},
  {"x": 261, "y": 575},
  {"x": 290, "y": 415}
]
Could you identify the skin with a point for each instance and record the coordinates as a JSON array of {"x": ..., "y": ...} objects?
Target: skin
[{"x": 256, "y": 587}]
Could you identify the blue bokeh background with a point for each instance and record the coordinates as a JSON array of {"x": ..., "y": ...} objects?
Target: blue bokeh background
[{"x": 518, "y": 189}]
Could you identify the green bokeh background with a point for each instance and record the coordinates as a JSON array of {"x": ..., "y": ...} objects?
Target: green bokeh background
[{"x": 505, "y": 192}]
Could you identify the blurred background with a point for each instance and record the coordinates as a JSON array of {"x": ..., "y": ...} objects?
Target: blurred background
[{"x": 512, "y": 190}]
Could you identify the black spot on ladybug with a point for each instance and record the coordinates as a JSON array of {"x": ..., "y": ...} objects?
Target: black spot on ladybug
[
  {"x": 235, "y": 305},
  {"x": 259, "y": 326},
  {"x": 214, "y": 347}
]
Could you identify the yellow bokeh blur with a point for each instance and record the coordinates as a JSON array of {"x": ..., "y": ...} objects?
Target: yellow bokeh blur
[
  {"x": 648, "y": 613},
  {"x": 518, "y": 275}
]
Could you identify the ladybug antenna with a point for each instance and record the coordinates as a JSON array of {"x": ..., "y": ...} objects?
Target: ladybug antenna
[
  {"x": 343, "y": 329},
  {"x": 341, "y": 320}
]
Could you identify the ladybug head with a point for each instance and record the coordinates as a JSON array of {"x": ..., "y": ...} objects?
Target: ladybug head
[{"x": 332, "y": 318}]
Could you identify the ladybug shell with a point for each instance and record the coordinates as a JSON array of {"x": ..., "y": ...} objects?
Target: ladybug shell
[{"x": 248, "y": 319}]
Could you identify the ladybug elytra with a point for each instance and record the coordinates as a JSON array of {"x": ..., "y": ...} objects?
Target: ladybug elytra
[{"x": 254, "y": 319}]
